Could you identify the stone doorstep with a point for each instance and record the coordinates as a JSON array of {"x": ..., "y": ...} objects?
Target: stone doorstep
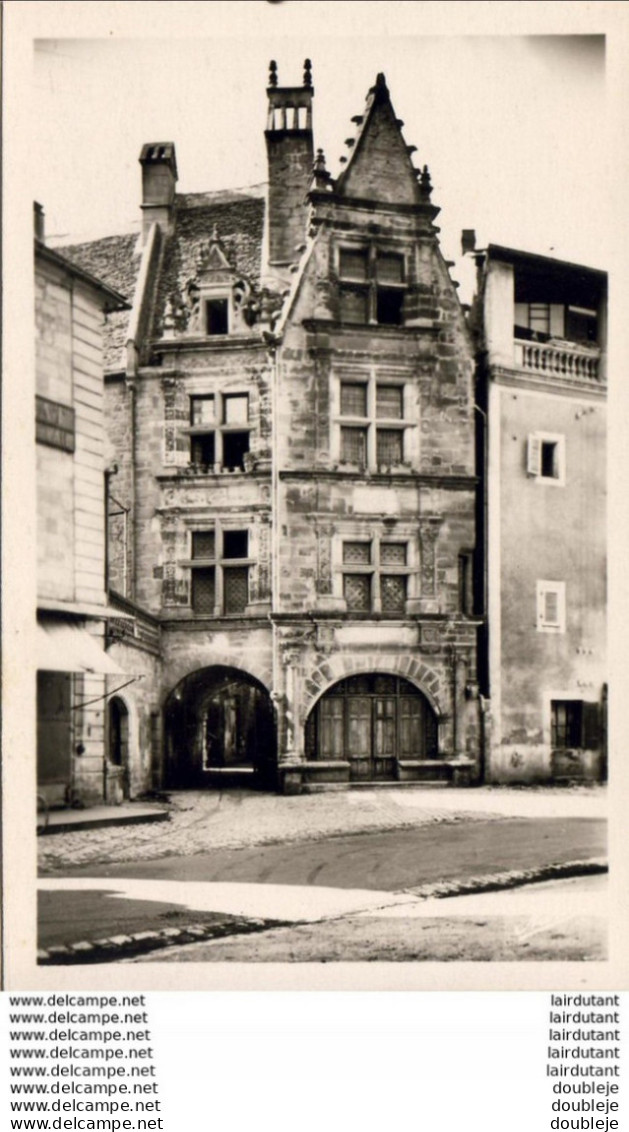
[{"x": 99, "y": 817}]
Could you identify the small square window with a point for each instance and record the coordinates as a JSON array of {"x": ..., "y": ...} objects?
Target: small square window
[
  {"x": 353, "y": 399},
  {"x": 354, "y": 446},
  {"x": 357, "y": 553},
  {"x": 202, "y": 410},
  {"x": 389, "y": 267},
  {"x": 389, "y": 402},
  {"x": 393, "y": 553},
  {"x": 566, "y": 723},
  {"x": 357, "y": 592},
  {"x": 353, "y": 263},
  {"x": 546, "y": 458},
  {"x": 235, "y": 544},
  {"x": 217, "y": 316},
  {"x": 389, "y": 447},
  {"x": 236, "y": 408},
  {"x": 354, "y": 304},
  {"x": 203, "y": 544},
  {"x": 389, "y": 307}
]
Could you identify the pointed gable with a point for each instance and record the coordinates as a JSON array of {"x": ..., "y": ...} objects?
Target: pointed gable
[{"x": 380, "y": 166}]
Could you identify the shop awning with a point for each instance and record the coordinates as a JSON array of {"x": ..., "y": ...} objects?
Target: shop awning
[{"x": 63, "y": 646}]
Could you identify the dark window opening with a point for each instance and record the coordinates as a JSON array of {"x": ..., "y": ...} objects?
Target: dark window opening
[
  {"x": 235, "y": 544},
  {"x": 548, "y": 459},
  {"x": 202, "y": 449},
  {"x": 581, "y": 325},
  {"x": 389, "y": 307},
  {"x": 566, "y": 724},
  {"x": 217, "y": 316},
  {"x": 203, "y": 590},
  {"x": 466, "y": 583},
  {"x": 235, "y": 448},
  {"x": 235, "y": 588}
]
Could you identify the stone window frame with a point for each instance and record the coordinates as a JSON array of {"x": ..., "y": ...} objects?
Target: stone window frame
[
  {"x": 371, "y": 424},
  {"x": 368, "y": 283},
  {"x": 375, "y": 568},
  {"x": 218, "y": 561},
  {"x": 549, "y": 620},
  {"x": 537, "y": 459},
  {"x": 220, "y": 428},
  {"x": 209, "y": 294}
]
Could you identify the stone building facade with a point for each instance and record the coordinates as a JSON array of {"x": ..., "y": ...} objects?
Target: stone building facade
[
  {"x": 542, "y": 387},
  {"x": 291, "y": 428}
]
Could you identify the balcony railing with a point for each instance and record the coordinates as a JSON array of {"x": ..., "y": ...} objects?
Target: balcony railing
[{"x": 558, "y": 359}]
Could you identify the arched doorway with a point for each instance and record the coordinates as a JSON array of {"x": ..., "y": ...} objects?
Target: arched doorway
[
  {"x": 374, "y": 721},
  {"x": 118, "y": 747},
  {"x": 220, "y": 730}
]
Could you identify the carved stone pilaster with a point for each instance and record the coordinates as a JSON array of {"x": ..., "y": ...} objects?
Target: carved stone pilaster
[{"x": 429, "y": 531}]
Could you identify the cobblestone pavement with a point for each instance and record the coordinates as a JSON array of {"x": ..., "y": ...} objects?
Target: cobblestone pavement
[{"x": 201, "y": 820}]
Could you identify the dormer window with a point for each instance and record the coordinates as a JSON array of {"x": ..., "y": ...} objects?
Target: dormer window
[
  {"x": 372, "y": 286},
  {"x": 217, "y": 316}
]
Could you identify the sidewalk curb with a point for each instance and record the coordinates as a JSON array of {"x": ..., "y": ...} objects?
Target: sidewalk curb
[
  {"x": 516, "y": 878},
  {"x": 118, "y": 947},
  {"x": 128, "y": 946}
]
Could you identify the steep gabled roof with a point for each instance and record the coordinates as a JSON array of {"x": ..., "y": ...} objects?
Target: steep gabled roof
[
  {"x": 380, "y": 166},
  {"x": 115, "y": 260}
]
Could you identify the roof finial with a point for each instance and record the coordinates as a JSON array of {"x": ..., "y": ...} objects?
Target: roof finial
[
  {"x": 308, "y": 74},
  {"x": 425, "y": 183},
  {"x": 320, "y": 173},
  {"x": 272, "y": 73}
]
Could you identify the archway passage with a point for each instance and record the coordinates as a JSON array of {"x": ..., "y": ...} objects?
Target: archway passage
[
  {"x": 220, "y": 730},
  {"x": 373, "y": 721},
  {"x": 119, "y": 741}
]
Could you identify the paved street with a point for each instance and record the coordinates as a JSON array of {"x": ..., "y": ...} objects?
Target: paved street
[{"x": 323, "y": 877}]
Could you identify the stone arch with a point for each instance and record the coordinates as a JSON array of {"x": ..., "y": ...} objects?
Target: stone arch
[
  {"x": 220, "y": 729},
  {"x": 413, "y": 669},
  {"x": 122, "y": 745},
  {"x": 211, "y": 658}
]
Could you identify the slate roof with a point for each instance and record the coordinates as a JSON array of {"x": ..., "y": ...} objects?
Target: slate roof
[
  {"x": 236, "y": 215},
  {"x": 115, "y": 260}
]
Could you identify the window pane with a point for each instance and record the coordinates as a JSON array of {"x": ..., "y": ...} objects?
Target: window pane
[
  {"x": 357, "y": 592},
  {"x": 551, "y": 607},
  {"x": 390, "y": 402},
  {"x": 236, "y": 408},
  {"x": 354, "y": 305},
  {"x": 353, "y": 400},
  {"x": 203, "y": 544},
  {"x": 216, "y": 316},
  {"x": 202, "y": 450},
  {"x": 389, "y": 307},
  {"x": 539, "y": 317},
  {"x": 203, "y": 590},
  {"x": 389, "y": 268},
  {"x": 235, "y": 544},
  {"x": 353, "y": 263},
  {"x": 389, "y": 447},
  {"x": 235, "y": 448},
  {"x": 201, "y": 410},
  {"x": 354, "y": 445},
  {"x": 549, "y": 460},
  {"x": 393, "y": 592},
  {"x": 393, "y": 553},
  {"x": 354, "y": 552},
  {"x": 236, "y": 588}
]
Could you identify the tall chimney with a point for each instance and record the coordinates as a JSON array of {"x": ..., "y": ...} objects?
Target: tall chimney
[
  {"x": 159, "y": 179},
  {"x": 38, "y": 221},
  {"x": 290, "y": 153}
]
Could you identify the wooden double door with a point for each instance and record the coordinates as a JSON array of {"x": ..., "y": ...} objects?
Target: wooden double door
[{"x": 373, "y": 721}]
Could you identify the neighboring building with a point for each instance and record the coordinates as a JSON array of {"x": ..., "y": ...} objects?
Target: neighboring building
[
  {"x": 542, "y": 397},
  {"x": 290, "y": 408},
  {"x": 79, "y": 759}
]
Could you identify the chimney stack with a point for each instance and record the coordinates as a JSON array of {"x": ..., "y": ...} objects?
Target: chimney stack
[
  {"x": 290, "y": 153},
  {"x": 38, "y": 220},
  {"x": 159, "y": 180}
]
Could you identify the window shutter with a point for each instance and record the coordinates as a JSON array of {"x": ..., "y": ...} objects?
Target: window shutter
[
  {"x": 534, "y": 455},
  {"x": 591, "y": 726}
]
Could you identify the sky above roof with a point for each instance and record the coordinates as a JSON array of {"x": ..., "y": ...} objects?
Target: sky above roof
[{"x": 513, "y": 128}]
